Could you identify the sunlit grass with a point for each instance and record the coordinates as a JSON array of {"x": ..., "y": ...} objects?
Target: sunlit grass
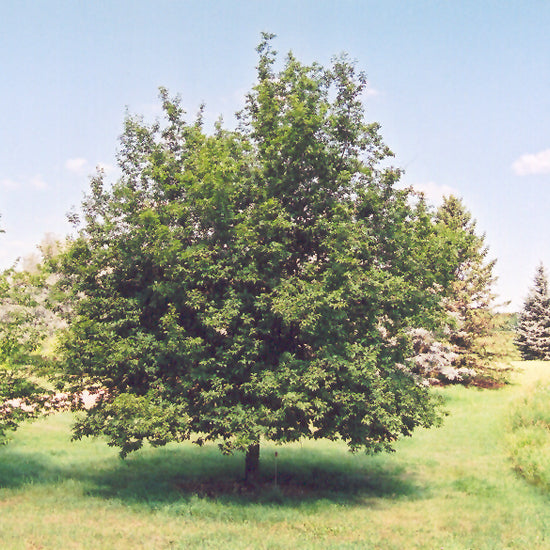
[
  {"x": 529, "y": 435},
  {"x": 453, "y": 487}
]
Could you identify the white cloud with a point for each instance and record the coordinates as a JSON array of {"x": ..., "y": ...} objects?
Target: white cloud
[
  {"x": 109, "y": 169},
  {"x": 76, "y": 165},
  {"x": 435, "y": 192},
  {"x": 372, "y": 92},
  {"x": 8, "y": 183},
  {"x": 532, "y": 163},
  {"x": 38, "y": 182},
  {"x": 80, "y": 167}
]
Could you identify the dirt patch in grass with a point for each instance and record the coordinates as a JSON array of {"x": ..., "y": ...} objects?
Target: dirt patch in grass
[{"x": 488, "y": 384}]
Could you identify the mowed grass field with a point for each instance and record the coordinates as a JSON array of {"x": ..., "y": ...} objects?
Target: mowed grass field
[{"x": 452, "y": 487}]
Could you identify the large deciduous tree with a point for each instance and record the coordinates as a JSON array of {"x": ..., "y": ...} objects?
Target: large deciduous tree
[
  {"x": 256, "y": 283},
  {"x": 533, "y": 330}
]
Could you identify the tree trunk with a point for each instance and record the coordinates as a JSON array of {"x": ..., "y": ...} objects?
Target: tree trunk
[{"x": 252, "y": 463}]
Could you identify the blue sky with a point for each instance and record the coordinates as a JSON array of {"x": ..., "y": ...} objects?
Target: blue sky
[{"x": 461, "y": 89}]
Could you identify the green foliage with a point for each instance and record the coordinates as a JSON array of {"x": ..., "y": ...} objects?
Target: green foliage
[
  {"x": 529, "y": 438},
  {"x": 256, "y": 283},
  {"x": 30, "y": 307},
  {"x": 533, "y": 328},
  {"x": 23, "y": 328},
  {"x": 481, "y": 355}
]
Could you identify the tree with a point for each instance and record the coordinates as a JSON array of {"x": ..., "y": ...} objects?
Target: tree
[
  {"x": 256, "y": 283},
  {"x": 533, "y": 330},
  {"x": 470, "y": 298},
  {"x": 27, "y": 319}
]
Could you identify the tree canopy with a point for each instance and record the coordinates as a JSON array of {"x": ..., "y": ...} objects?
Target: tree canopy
[{"x": 257, "y": 282}]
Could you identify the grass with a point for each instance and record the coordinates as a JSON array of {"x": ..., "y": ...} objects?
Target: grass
[
  {"x": 529, "y": 435},
  {"x": 453, "y": 487}
]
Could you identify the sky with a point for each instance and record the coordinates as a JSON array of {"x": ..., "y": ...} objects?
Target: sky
[{"x": 461, "y": 90}]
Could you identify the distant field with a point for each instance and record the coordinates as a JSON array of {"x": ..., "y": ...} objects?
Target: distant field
[{"x": 452, "y": 488}]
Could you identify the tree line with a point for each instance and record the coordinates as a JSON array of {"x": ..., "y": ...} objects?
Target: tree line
[{"x": 268, "y": 282}]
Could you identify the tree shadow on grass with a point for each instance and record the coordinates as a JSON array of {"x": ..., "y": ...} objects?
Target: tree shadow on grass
[
  {"x": 18, "y": 469},
  {"x": 164, "y": 477},
  {"x": 293, "y": 487},
  {"x": 168, "y": 475}
]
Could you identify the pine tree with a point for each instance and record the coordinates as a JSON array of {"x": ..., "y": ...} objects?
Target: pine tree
[
  {"x": 533, "y": 331},
  {"x": 470, "y": 298}
]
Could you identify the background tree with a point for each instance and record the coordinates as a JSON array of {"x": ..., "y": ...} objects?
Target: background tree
[
  {"x": 473, "y": 329},
  {"x": 256, "y": 283},
  {"x": 533, "y": 330},
  {"x": 28, "y": 318}
]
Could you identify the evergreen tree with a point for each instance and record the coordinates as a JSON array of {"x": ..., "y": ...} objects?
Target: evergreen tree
[
  {"x": 470, "y": 297},
  {"x": 470, "y": 348},
  {"x": 533, "y": 330}
]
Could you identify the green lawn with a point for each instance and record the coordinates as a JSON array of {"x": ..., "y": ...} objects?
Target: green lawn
[{"x": 451, "y": 487}]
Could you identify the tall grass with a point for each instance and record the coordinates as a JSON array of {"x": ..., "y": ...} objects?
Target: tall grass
[
  {"x": 452, "y": 487},
  {"x": 529, "y": 437}
]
